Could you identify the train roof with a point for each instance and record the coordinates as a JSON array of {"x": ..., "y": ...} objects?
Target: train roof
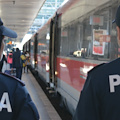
[
  {"x": 74, "y": 9},
  {"x": 62, "y": 9}
]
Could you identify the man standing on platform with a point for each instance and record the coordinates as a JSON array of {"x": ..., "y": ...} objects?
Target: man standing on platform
[{"x": 17, "y": 63}]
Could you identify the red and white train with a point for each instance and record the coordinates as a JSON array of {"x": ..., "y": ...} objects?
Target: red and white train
[{"x": 78, "y": 37}]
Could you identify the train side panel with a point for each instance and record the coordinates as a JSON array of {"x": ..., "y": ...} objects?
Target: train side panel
[
  {"x": 43, "y": 67},
  {"x": 71, "y": 76},
  {"x": 79, "y": 30}
]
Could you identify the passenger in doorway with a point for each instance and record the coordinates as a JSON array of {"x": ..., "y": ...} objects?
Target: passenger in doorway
[
  {"x": 100, "y": 97},
  {"x": 17, "y": 63}
]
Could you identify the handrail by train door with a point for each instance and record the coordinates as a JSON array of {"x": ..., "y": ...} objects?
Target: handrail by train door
[{"x": 52, "y": 50}]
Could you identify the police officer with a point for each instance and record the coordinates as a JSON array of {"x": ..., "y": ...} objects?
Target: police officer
[
  {"x": 100, "y": 97},
  {"x": 15, "y": 101}
]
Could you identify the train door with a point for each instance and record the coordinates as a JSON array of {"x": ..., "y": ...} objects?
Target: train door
[
  {"x": 53, "y": 51},
  {"x": 24, "y": 48},
  {"x": 29, "y": 47},
  {"x": 35, "y": 51}
]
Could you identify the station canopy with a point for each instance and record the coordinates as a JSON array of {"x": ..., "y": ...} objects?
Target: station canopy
[{"x": 46, "y": 12}]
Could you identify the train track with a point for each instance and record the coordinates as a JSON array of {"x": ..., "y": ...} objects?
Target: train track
[{"x": 53, "y": 97}]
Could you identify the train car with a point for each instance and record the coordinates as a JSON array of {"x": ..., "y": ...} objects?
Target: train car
[{"x": 77, "y": 38}]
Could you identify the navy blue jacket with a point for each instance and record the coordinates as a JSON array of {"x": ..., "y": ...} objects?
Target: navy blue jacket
[
  {"x": 15, "y": 101},
  {"x": 100, "y": 97},
  {"x": 17, "y": 61}
]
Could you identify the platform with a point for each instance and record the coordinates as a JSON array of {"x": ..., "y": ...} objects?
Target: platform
[{"x": 45, "y": 108}]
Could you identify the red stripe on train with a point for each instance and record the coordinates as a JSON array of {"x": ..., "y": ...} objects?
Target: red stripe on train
[{"x": 73, "y": 72}]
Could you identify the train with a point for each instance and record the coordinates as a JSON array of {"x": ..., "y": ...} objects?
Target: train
[{"x": 78, "y": 37}]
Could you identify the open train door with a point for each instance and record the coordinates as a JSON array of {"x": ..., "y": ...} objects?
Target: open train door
[{"x": 53, "y": 51}]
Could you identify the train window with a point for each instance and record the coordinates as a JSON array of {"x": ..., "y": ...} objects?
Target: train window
[
  {"x": 70, "y": 40},
  {"x": 95, "y": 37},
  {"x": 43, "y": 46},
  {"x": 72, "y": 37},
  {"x": 64, "y": 42},
  {"x": 32, "y": 46},
  {"x": 87, "y": 39},
  {"x": 91, "y": 41},
  {"x": 115, "y": 50}
]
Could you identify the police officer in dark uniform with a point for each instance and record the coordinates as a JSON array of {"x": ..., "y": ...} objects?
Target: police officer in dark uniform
[
  {"x": 100, "y": 97},
  {"x": 15, "y": 101}
]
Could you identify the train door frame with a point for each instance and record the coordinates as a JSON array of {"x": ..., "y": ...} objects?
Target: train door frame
[
  {"x": 26, "y": 47},
  {"x": 23, "y": 48},
  {"x": 29, "y": 48},
  {"x": 53, "y": 51},
  {"x": 35, "y": 50}
]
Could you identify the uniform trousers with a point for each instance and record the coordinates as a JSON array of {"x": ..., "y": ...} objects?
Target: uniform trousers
[{"x": 19, "y": 72}]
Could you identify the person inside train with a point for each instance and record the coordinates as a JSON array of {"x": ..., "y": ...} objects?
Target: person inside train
[
  {"x": 15, "y": 101},
  {"x": 100, "y": 97}
]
